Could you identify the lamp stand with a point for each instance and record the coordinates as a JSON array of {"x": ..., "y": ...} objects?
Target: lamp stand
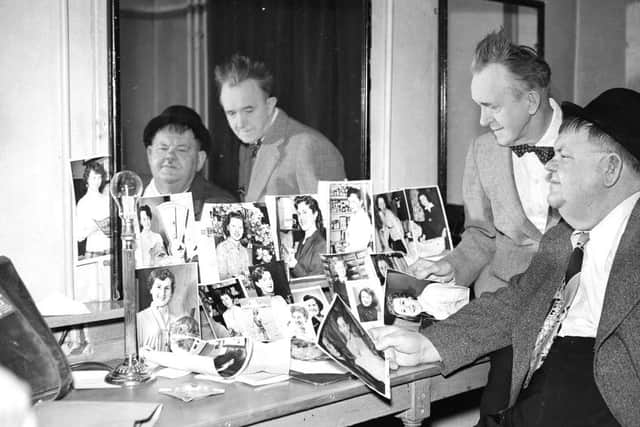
[{"x": 132, "y": 371}]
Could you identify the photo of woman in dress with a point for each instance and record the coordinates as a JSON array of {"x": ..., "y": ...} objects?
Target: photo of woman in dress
[
  {"x": 304, "y": 259},
  {"x": 93, "y": 223},
  {"x": 152, "y": 249},
  {"x": 359, "y": 231},
  {"x": 232, "y": 256},
  {"x": 153, "y": 322},
  {"x": 389, "y": 227}
]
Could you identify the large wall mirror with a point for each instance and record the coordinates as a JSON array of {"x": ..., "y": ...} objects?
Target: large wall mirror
[
  {"x": 318, "y": 52},
  {"x": 462, "y": 24}
]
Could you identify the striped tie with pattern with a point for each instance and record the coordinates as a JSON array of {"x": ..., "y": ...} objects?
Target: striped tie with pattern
[{"x": 559, "y": 305}]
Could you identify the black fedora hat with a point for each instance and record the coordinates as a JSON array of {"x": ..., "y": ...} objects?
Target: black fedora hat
[
  {"x": 178, "y": 115},
  {"x": 616, "y": 112}
]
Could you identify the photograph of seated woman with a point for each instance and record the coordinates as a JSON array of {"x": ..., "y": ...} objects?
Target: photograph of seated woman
[
  {"x": 368, "y": 307},
  {"x": 153, "y": 322},
  {"x": 305, "y": 260},
  {"x": 314, "y": 308},
  {"x": 432, "y": 221},
  {"x": 152, "y": 249},
  {"x": 93, "y": 212},
  {"x": 232, "y": 256},
  {"x": 389, "y": 227},
  {"x": 233, "y": 315},
  {"x": 350, "y": 345},
  {"x": 358, "y": 233}
]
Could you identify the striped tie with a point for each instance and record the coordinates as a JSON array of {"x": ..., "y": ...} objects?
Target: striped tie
[{"x": 559, "y": 305}]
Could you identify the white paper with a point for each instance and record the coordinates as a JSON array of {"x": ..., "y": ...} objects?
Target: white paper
[
  {"x": 90, "y": 379},
  {"x": 57, "y": 304}
]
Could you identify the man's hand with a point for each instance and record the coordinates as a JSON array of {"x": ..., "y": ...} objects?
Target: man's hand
[
  {"x": 438, "y": 271},
  {"x": 404, "y": 347}
]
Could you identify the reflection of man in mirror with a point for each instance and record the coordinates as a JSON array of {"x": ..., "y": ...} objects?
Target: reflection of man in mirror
[
  {"x": 278, "y": 154},
  {"x": 177, "y": 145},
  {"x": 504, "y": 187}
]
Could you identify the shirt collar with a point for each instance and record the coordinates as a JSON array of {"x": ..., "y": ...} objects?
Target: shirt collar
[
  {"x": 548, "y": 139},
  {"x": 266, "y": 130},
  {"x": 151, "y": 189},
  {"x": 613, "y": 223}
]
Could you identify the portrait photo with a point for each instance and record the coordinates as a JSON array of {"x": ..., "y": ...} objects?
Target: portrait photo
[
  {"x": 300, "y": 233},
  {"x": 164, "y": 294},
  {"x": 315, "y": 300},
  {"x": 344, "y": 339},
  {"x": 265, "y": 319},
  {"x": 366, "y": 301},
  {"x": 391, "y": 220},
  {"x": 428, "y": 221},
  {"x": 232, "y": 232},
  {"x": 220, "y": 304},
  {"x": 166, "y": 231},
  {"x": 350, "y": 215},
  {"x": 270, "y": 279},
  {"x": 383, "y": 261}
]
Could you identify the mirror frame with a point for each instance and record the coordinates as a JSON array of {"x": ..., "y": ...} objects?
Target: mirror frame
[{"x": 443, "y": 78}]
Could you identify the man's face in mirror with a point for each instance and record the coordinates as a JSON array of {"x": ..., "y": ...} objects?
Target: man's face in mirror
[
  {"x": 174, "y": 158},
  {"x": 248, "y": 109}
]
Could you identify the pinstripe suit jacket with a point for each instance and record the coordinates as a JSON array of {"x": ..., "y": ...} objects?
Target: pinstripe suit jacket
[
  {"x": 292, "y": 159},
  {"x": 499, "y": 240},
  {"x": 513, "y": 316}
]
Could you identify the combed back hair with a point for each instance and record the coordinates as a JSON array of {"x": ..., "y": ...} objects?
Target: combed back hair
[
  {"x": 604, "y": 140},
  {"x": 240, "y": 68},
  {"x": 522, "y": 61}
]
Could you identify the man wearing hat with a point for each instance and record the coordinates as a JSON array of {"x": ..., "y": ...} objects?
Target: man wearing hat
[
  {"x": 177, "y": 145},
  {"x": 573, "y": 316}
]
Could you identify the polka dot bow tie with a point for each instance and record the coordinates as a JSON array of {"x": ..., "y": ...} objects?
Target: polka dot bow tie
[{"x": 544, "y": 153}]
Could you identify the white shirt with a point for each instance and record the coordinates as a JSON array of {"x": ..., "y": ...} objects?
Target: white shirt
[
  {"x": 584, "y": 314},
  {"x": 151, "y": 189},
  {"x": 531, "y": 177}
]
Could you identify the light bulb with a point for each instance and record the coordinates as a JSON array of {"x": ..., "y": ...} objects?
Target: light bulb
[{"x": 126, "y": 187}]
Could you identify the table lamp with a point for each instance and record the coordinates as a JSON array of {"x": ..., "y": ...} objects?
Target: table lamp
[{"x": 126, "y": 187}]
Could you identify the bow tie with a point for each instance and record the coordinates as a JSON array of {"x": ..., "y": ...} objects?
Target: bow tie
[{"x": 544, "y": 153}]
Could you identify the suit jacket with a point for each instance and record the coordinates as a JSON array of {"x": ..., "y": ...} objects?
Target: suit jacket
[
  {"x": 499, "y": 240},
  {"x": 515, "y": 314},
  {"x": 204, "y": 191},
  {"x": 292, "y": 159},
  {"x": 308, "y": 256}
]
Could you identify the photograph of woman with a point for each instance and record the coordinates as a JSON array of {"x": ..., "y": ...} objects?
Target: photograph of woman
[
  {"x": 304, "y": 259},
  {"x": 93, "y": 211},
  {"x": 368, "y": 307},
  {"x": 232, "y": 256},
  {"x": 153, "y": 321},
  {"x": 315, "y": 308},
  {"x": 429, "y": 215},
  {"x": 232, "y": 314},
  {"x": 359, "y": 232},
  {"x": 271, "y": 279},
  {"x": 342, "y": 337},
  {"x": 152, "y": 249},
  {"x": 389, "y": 227}
]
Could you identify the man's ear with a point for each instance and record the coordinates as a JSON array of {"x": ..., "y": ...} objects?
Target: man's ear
[
  {"x": 149, "y": 150},
  {"x": 202, "y": 157},
  {"x": 271, "y": 103},
  {"x": 534, "y": 101},
  {"x": 612, "y": 169}
]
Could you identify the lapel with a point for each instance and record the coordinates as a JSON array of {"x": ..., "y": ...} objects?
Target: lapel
[
  {"x": 269, "y": 155},
  {"x": 504, "y": 181},
  {"x": 623, "y": 289}
]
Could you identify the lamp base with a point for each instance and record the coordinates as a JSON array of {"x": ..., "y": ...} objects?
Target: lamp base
[{"x": 130, "y": 372}]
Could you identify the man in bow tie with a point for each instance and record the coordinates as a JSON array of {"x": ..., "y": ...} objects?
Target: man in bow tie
[
  {"x": 278, "y": 155},
  {"x": 573, "y": 316},
  {"x": 504, "y": 190}
]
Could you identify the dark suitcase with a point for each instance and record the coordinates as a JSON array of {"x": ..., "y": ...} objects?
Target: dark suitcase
[{"x": 27, "y": 346}]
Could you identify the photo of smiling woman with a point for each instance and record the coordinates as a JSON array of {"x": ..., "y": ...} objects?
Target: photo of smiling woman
[
  {"x": 306, "y": 261},
  {"x": 153, "y": 321},
  {"x": 232, "y": 256}
]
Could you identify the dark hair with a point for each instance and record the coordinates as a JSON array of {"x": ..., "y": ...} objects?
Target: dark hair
[
  {"x": 240, "y": 68},
  {"x": 311, "y": 297},
  {"x": 227, "y": 220},
  {"x": 97, "y": 167},
  {"x": 179, "y": 119},
  {"x": 315, "y": 208},
  {"x": 257, "y": 273},
  {"x": 384, "y": 198},
  {"x": 147, "y": 209},
  {"x": 389, "y": 301},
  {"x": 374, "y": 299},
  {"x": 521, "y": 61},
  {"x": 161, "y": 274},
  {"x": 606, "y": 141},
  {"x": 354, "y": 190}
]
